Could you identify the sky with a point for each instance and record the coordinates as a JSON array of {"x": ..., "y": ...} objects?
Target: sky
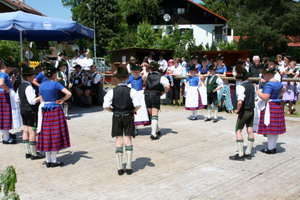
[{"x": 54, "y": 8}]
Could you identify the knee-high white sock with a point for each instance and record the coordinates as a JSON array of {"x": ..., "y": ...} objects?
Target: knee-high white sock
[
  {"x": 54, "y": 156},
  {"x": 119, "y": 154},
  {"x": 209, "y": 113},
  {"x": 275, "y": 141},
  {"x": 216, "y": 112},
  {"x": 194, "y": 113},
  {"x": 48, "y": 157},
  {"x": 32, "y": 146},
  {"x": 249, "y": 146},
  {"x": 129, "y": 151},
  {"x": 154, "y": 125},
  {"x": 5, "y": 135},
  {"x": 271, "y": 141},
  {"x": 27, "y": 147},
  {"x": 66, "y": 108},
  {"x": 240, "y": 144}
]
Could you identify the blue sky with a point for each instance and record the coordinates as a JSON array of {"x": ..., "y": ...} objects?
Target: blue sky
[{"x": 54, "y": 8}]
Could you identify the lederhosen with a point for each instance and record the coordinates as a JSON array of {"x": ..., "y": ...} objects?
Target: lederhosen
[
  {"x": 77, "y": 80},
  {"x": 153, "y": 90},
  {"x": 123, "y": 118},
  {"x": 212, "y": 97},
  {"x": 246, "y": 114},
  {"x": 95, "y": 87},
  {"x": 28, "y": 112}
]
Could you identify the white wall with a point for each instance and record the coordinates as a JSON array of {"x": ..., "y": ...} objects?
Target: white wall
[{"x": 203, "y": 33}]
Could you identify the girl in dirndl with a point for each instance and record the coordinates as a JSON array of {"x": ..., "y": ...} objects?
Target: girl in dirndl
[
  {"x": 203, "y": 75},
  {"x": 193, "y": 98},
  {"x": 6, "y": 122},
  {"x": 136, "y": 81},
  {"x": 272, "y": 122},
  {"x": 54, "y": 134}
]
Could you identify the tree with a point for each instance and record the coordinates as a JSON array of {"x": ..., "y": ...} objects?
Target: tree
[
  {"x": 146, "y": 36},
  {"x": 107, "y": 20},
  {"x": 8, "y": 180}
]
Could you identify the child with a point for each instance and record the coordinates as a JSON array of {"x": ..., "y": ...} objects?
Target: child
[
  {"x": 170, "y": 71},
  {"x": 213, "y": 84},
  {"x": 136, "y": 82},
  {"x": 63, "y": 79},
  {"x": 123, "y": 102},
  {"x": 193, "y": 98},
  {"x": 29, "y": 109}
]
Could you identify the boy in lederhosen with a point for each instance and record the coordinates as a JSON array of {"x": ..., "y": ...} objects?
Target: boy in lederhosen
[
  {"x": 29, "y": 108},
  {"x": 213, "y": 84},
  {"x": 245, "y": 110},
  {"x": 123, "y": 102},
  {"x": 63, "y": 79}
]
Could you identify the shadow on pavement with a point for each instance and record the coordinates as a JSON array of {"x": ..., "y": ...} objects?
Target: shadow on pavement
[
  {"x": 258, "y": 148},
  {"x": 141, "y": 163},
  {"x": 71, "y": 158},
  {"x": 147, "y": 131}
]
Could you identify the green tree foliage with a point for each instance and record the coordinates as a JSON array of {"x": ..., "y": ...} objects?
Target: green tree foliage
[
  {"x": 107, "y": 17},
  {"x": 146, "y": 36},
  {"x": 10, "y": 48},
  {"x": 8, "y": 180}
]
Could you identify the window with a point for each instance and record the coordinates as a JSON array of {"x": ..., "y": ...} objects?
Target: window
[
  {"x": 229, "y": 32},
  {"x": 180, "y": 11},
  {"x": 218, "y": 33}
]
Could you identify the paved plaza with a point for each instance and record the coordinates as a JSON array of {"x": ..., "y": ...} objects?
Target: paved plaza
[{"x": 190, "y": 161}]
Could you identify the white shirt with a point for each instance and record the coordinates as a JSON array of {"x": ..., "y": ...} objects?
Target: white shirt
[
  {"x": 136, "y": 100},
  {"x": 240, "y": 91},
  {"x": 219, "y": 81},
  {"x": 178, "y": 70},
  {"x": 30, "y": 94},
  {"x": 164, "y": 81},
  {"x": 163, "y": 65}
]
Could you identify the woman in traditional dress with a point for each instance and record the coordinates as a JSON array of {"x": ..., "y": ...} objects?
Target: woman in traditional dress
[
  {"x": 272, "y": 122},
  {"x": 203, "y": 75},
  {"x": 54, "y": 134},
  {"x": 6, "y": 121},
  {"x": 193, "y": 98}
]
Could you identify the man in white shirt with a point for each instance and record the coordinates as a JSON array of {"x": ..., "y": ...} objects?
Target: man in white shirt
[
  {"x": 163, "y": 64},
  {"x": 91, "y": 83}
]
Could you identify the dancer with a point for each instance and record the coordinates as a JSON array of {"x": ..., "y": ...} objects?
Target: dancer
[
  {"x": 156, "y": 86},
  {"x": 123, "y": 102},
  {"x": 29, "y": 108},
  {"x": 6, "y": 122},
  {"x": 136, "y": 82},
  {"x": 245, "y": 110},
  {"x": 213, "y": 84},
  {"x": 272, "y": 122},
  {"x": 193, "y": 98},
  {"x": 54, "y": 134}
]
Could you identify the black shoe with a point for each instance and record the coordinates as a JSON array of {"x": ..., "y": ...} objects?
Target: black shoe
[
  {"x": 158, "y": 133},
  {"x": 267, "y": 151},
  {"x": 13, "y": 136},
  {"x": 248, "y": 156},
  {"x": 68, "y": 118},
  {"x": 57, "y": 164},
  {"x": 154, "y": 137},
  {"x": 215, "y": 120},
  {"x": 237, "y": 157},
  {"x": 207, "y": 119},
  {"x": 10, "y": 141},
  {"x": 136, "y": 132},
  {"x": 48, "y": 164},
  {"x": 121, "y": 172},
  {"x": 38, "y": 156},
  {"x": 27, "y": 155},
  {"x": 193, "y": 118},
  {"x": 128, "y": 171}
]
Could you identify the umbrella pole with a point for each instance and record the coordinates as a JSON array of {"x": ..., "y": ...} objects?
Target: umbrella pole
[{"x": 21, "y": 47}]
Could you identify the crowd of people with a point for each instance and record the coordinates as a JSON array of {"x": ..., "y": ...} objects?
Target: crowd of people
[{"x": 38, "y": 99}]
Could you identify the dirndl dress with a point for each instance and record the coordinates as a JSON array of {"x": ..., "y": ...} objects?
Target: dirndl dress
[
  {"x": 5, "y": 111},
  {"x": 54, "y": 134},
  {"x": 141, "y": 117},
  {"x": 193, "y": 99},
  {"x": 277, "y": 121}
]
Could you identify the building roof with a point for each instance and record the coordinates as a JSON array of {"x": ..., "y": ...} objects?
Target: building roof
[
  {"x": 20, "y": 5},
  {"x": 206, "y": 9}
]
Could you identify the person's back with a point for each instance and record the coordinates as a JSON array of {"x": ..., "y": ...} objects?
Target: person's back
[
  {"x": 153, "y": 84},
  {"x": 122, "y": 102}
]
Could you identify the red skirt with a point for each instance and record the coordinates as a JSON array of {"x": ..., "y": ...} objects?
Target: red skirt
[
  {"x": 5, "y": 112},
  {"x": 54, "y": 134},
  {"x": 277, "y": 121}
]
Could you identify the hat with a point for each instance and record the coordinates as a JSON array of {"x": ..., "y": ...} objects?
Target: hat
[
  {"x": 162, "y": 54},
  {"x": 154, "y": 66},
  {"x": 212, "y": 67},
  {"x": 135, "y": 67},
  {"x": 273, "y": 59},
  {"x": 62, "y": 63},
  {"x": 9, "y": 62},
  {"x": 122, "y": 72},
  {"x": 170, "y": 62},
  {"x": 193, "y": 67},
  {"x": 77, "y": 66},
  {"x": 132, "y": 58},
  {"x": 269, "y": 69},
  {"x": 244, "y": 75},
  {"x": 204, "y": 58},
  {"x": 28, "y": 71},
  {"x": 219, "y": 57}
]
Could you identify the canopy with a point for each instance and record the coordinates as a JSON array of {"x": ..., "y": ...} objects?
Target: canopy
[{"x": 16, "y": 25}]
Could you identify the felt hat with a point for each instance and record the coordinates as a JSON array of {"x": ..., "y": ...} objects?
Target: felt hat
[
  {"x": 62, "y": 63},
  {"x": 162, "y": 54},
  {"x": 243, "y": 76},
  {"x": 212, "y": 67},
  {"x": 132, "y": 58},
  {"x": 9, "y": 62},
  {"x": 122, "y": 72},
  {"x": 219, "y": 57},
  {"x": 28, "y": 71},
  {"x": 193, "y": 67},
  {"x": 204, "y": 58},
  {"x": 77, "y": 66},
  {"x": 154, "y": 66},
  {"x": 135, "y": 67}
]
